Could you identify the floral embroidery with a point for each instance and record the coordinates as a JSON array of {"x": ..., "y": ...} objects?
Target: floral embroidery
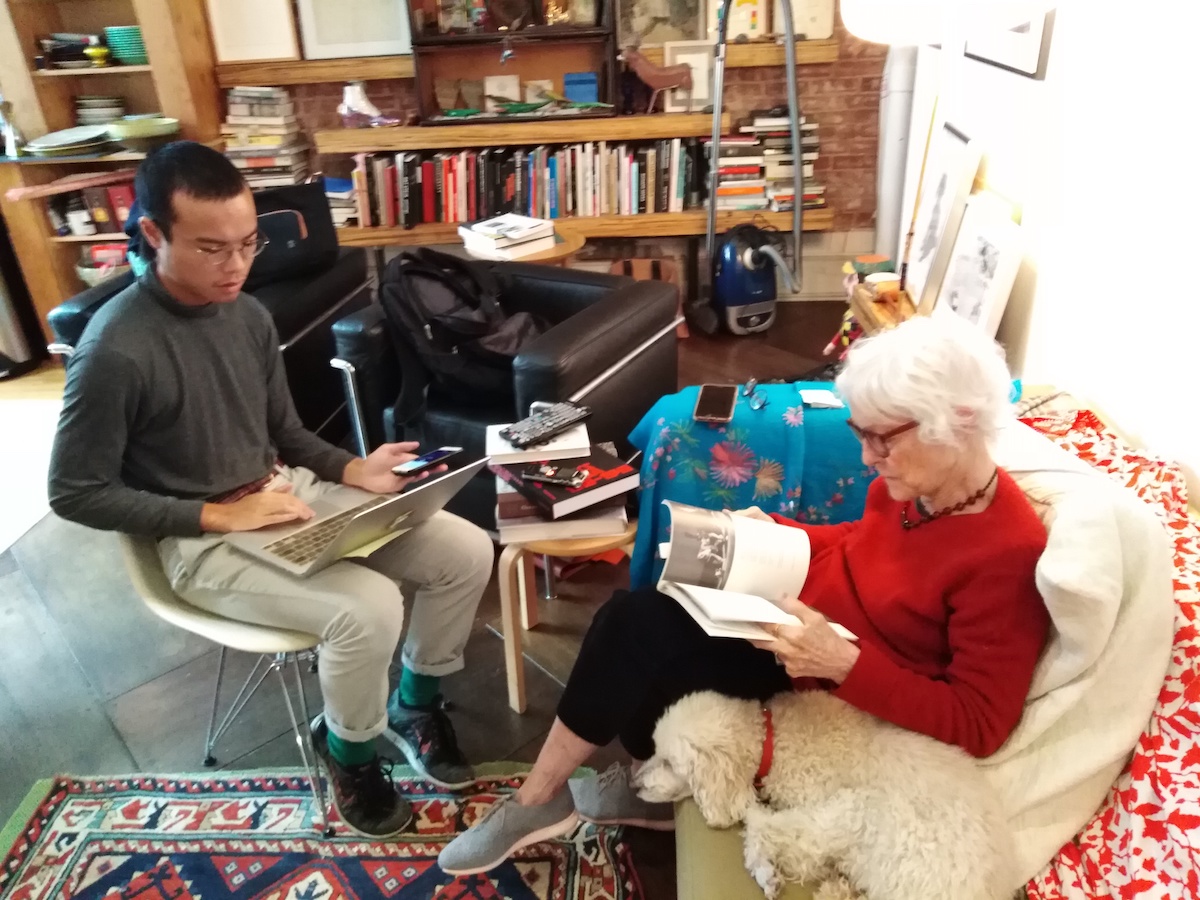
[
  {"x": 731, "y": 464},
  {"x": 768, "y": 479},
  {"x": 794, "y": 416}
]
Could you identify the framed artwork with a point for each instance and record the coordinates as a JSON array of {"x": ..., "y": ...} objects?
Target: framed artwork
[
  {"x": 984, "y": 261},
  {"x": 811, "y": 18},
  {"x": 698, "y": 55},
  {"x": 747, "y": 19},
  {"x": 950, "y": 170},
  {"x": 650, "y": 23},
  {"x": 1023, "y": 48},
  {"x": 244, "y": 31},
  {"x": 333, "y": 29}
]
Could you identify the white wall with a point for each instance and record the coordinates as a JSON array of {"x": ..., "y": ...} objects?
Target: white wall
[{"x": 1098, "y": 155}]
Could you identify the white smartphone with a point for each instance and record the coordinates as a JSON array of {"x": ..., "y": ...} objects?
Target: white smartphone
[{"x": 425, "y": 461}]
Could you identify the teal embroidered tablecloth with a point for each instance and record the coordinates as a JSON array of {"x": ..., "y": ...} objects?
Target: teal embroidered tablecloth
[{"x": 786, "y": 457}]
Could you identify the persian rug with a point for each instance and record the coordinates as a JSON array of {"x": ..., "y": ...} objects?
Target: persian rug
[{"x": 250, "y": 836}]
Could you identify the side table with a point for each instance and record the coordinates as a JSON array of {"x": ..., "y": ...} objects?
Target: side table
[{"x": 518, "y": 597}]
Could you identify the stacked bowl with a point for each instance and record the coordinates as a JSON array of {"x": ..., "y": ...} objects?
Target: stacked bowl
[
  {"x": 92, "y": 109},
  {"x": 126, "y": 44}
]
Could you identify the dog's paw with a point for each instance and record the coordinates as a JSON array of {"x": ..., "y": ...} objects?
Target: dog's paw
[
  {"x": 759, "y": 860},
  {"x": 767, "y": 877},
  {"x": 837, "y": 888}
]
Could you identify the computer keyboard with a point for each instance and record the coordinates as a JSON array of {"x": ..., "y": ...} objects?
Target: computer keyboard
[
  {"x": 544, "y": 424},
  {"x": 303, "y": 546}
]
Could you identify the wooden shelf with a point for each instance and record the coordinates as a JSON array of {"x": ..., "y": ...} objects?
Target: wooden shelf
[
  {"x": 313, "y": 71},
  {"x": 117, "y": 238},
  {"x": 501, "y": 134},
  {"x": 119, "y": 157},
  {"x": 378, "y": 68},
  {"x": 647, "y": 225},
  {"x": 95, "y": 70}
]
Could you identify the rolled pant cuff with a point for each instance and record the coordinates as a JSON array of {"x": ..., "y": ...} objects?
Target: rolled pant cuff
[
  {"x": 357, "y": 736},
  {"x": 433, "y": 670}
]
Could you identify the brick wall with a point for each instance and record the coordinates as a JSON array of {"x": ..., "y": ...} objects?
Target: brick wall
[{"x": 842, "y": 96}]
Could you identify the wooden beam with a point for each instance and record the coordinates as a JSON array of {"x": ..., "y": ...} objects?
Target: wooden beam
[
  {"x": 753, "y": 54},
  {"x": 310, "y": 71},
  {"x": 16, "y": 81},
  {"x": 510, "y": 133},
  {"x": 182, "y": 58}
]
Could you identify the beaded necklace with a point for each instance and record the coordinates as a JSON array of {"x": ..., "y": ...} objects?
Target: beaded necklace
[{"x": 957, "y": 507}]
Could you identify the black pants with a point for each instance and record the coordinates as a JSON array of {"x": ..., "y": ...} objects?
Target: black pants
[{"x": 641, "y": 654}]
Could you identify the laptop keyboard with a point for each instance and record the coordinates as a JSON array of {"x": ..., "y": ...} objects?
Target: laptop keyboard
[{"x": 305, "y": 545}]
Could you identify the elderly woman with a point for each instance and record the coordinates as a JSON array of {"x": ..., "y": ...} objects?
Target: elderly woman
[{"x": 936, "y": 580}]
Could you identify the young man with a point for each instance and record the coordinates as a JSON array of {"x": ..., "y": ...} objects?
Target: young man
[{"x": 177, "y": 423}]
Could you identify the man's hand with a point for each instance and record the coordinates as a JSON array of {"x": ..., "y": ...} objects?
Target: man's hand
[
  {"x": 811, "y": 649},
  {"x": 374, "y": 473},
  {"x": 254, "y": 511},
  {"x": 753, "y": 512}
]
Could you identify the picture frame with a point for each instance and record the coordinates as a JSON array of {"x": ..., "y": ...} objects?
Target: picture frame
[
  {"x": 811, "y": 18},
  {"x": 334, "y": 29},
  {"x": 950, "y": 171},
  {"x": 748, "y": 19},
  {"x": 984, "y": 260},
  {"x": 652, "y": 23},
  {"x": 245, "y": 32},
  {"x": 699, "y": 55},
  {"x": 1023, "y": 49}
]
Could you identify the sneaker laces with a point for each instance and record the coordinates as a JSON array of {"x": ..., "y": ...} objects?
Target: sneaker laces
[
  {"x": 612, "y": 775},
  {"x": 440, "y": 736},
  {"x": 371, "y": 784}
]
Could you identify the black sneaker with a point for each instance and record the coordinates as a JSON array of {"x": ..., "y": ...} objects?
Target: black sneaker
[
  {"x": 426, "y": 738},
  {"x": 364, "y": 795}
]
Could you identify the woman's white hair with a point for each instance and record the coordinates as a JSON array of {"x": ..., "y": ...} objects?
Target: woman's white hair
[{"x": 942, "y": 372}]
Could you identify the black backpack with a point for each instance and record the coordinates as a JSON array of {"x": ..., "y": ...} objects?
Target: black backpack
[{"x": 446, "y": 311}]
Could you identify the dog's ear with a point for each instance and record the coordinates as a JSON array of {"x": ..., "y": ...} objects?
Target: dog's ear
[{"x": 721, "y": 791}]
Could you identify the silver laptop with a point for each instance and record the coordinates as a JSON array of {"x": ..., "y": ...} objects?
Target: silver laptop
[{"x": 353, "y": 520}]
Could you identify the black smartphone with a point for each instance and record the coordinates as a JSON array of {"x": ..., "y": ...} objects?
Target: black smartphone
[
  {"x": 567, "y": 476},
  {"x": 425, "y": 461},
  {"x": 715, "y": 403}
]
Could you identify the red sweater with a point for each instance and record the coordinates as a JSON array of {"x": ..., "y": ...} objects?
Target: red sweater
[{"x": 949, "y": 620}]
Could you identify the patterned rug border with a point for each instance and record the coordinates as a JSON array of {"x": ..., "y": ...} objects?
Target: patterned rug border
[{"x": 19, "y": 820}]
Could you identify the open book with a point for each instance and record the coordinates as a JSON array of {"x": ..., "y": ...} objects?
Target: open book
[{"x": 730, "y": 572}]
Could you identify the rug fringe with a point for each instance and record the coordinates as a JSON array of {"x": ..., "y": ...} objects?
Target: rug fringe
[{"x": 23, "y": 813}]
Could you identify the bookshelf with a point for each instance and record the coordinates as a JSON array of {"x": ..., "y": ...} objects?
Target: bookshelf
[
  {"x": 381, "y": 68},
  {"x": 88, "y": 73},
  {"x": 685, "y": 224},
  {"x": 509, "y": 134}
]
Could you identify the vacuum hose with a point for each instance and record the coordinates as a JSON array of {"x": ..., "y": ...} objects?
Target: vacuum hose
[{"x": 776, "y": 257}]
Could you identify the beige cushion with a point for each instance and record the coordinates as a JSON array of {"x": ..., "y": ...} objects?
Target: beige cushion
[{"x": 710, "y": 862}]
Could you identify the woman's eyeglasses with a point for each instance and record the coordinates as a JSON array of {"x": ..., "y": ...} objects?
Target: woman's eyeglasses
[
  {"x": 879, "y": 442},
  {"x": 755, "y": 398}
]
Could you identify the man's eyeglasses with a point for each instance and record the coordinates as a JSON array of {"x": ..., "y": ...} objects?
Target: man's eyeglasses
[
  {"x": 755, "y": 398},
  {"x": 879, "y": 442},
  {"x": 219, "y": 256}
]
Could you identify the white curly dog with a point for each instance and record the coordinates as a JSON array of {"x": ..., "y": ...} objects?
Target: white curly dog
[{"x": 851, "y": 802}]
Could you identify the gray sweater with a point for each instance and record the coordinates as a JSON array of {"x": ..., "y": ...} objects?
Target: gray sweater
[{"x": 167, "y": 406}]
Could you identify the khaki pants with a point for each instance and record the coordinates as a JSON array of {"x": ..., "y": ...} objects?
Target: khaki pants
[{"x": 357, "y": 607}]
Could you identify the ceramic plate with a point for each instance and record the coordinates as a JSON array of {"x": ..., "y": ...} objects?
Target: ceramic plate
[{"x": 69, "y": 137}]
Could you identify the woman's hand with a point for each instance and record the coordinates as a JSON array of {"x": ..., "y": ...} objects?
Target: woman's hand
[
  {"x": 811, "y": 649},
  {"x": 753, "y": 512}
]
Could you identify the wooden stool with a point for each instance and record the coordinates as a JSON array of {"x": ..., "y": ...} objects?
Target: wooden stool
[{"x": 517, "y": 582}]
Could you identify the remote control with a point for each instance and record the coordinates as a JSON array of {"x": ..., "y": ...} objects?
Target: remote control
[{"x": 544, "y": 424}]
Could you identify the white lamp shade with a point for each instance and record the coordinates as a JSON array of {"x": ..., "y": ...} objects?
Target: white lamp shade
[{"x": 913, "y": 22}]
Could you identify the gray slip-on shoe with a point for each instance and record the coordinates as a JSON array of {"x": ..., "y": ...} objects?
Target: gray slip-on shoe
[
  {"x": 610, "y": 799},
  {"x": 503, "y": 830}
]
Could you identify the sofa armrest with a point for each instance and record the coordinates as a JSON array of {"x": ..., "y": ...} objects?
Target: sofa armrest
[
  {"x": 364, "y": 348},
  {"x": 70, "y": 318},
  {"x": 574, "y": 352}
]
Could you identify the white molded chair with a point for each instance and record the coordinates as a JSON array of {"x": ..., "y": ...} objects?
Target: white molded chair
[{"x": 278, "y": 649}]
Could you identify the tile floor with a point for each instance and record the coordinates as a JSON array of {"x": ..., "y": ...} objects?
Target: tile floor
[{"x": 92, "y": 683}]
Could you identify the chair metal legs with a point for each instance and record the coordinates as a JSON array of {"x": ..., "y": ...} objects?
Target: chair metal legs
[{"x": 264, "y": 666}]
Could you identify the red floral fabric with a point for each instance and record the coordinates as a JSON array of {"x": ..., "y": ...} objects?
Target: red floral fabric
[{"x": 1145, "y": 839}]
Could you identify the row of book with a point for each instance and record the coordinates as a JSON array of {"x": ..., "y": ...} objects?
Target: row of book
[
  {"x": 595, "y": 178},
  {"x": 262, "y": 137},
  {"x": 756, "y": 166},
  {"x": 528, "y": 509}
]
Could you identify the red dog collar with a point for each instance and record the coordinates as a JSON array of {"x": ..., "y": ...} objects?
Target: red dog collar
[{"x": 768, "y": 750}]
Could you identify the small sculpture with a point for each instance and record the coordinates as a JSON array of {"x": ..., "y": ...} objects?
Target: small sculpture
[
  {"x": 658, "y": 78},
  {"x": 359, "y": 112}
]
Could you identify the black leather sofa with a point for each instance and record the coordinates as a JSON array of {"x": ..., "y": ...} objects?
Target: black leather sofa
[
  {"x": 304, "y": 310},
  {"x": 612, "y": 346}
]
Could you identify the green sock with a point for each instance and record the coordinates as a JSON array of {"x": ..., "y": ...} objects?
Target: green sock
[
  {"x": 418, "y": 690},
  {"x": 350, "y": 753}
]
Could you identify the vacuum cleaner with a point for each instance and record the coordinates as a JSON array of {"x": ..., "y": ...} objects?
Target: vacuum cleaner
[{"x": 744, "y": 262}]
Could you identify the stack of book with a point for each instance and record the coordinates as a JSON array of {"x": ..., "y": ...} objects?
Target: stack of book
[
  {"x": 262, "y": 137},
  {"x": 739, "y": 182},
  {"x": 508, "y": 236},
  {"x": 528, "y": 510},
  {"x": 342, "y": 206},
  {"x": 772, "y": 139}
]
